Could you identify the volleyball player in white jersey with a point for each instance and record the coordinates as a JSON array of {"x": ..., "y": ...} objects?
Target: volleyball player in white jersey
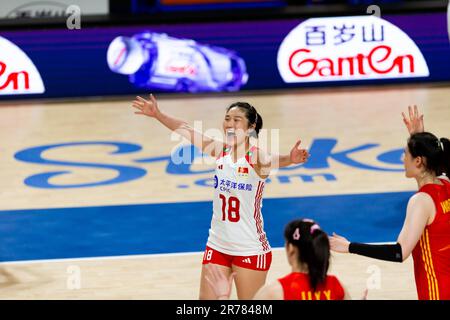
[{"x": 237, "y": 242}]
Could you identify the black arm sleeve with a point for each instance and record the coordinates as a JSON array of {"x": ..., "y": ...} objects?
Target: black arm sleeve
[{"x": 388, "y": 252}]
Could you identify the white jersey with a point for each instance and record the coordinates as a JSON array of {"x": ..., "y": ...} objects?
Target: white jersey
[{"x": 237, "y": 227}]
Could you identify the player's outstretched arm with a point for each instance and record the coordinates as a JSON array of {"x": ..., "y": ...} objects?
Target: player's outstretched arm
[
  {"x": 418, "y": 213},
  {"x": 150, "y": 108}
]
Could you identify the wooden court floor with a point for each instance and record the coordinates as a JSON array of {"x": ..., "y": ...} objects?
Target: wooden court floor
[{"x": 351, "y": 116}]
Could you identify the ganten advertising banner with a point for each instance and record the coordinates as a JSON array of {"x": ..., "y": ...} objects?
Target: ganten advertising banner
[{"x": 349, "y": 48}]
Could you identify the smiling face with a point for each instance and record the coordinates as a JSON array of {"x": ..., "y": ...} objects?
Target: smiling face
[{"x": 235, "y": 126}]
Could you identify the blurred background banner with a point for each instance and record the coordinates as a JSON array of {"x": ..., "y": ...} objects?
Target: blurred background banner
[{"x": 102, "y": 59}]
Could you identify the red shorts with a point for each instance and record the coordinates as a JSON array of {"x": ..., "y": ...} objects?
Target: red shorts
[{"x": 260, "y": 262}]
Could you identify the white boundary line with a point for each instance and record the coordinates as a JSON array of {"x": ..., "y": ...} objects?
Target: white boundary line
[
  {"x": 123, "y": 257},
  {"x": 138, "y": 256}
]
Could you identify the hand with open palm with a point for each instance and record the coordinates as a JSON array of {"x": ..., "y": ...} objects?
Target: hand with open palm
[
  {"x": 339, "y": 244},
  {"x": 146, "y": 107},
  {"x": 415, "y": 122}
]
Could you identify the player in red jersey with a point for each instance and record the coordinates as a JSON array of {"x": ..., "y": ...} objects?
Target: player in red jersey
[
  {"x": 426, "y": 230},
  {"x": 308, "y": 252},
  {"x": 237, "y": 241}
]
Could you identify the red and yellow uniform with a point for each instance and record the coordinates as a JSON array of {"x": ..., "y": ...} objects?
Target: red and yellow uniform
[
  {"x": 296, "y": 286},
  {"x": 432, "y": 253}
]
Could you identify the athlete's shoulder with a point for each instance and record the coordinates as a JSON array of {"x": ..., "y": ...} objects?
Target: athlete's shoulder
[
  {"x": 286, "y": 277},
  {"x": 430, "y": 189},
  {"x": 333, "y": 280},
  {"x": 423, "y": 196},
  {"x": 294, "y": 277},
  {"x": 445, "y": 181},
  {"x": 336, "y": 286}
]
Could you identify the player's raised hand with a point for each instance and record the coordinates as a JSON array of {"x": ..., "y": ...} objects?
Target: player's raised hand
[
  {"x": 414, "y": 123},
  {"x": 298, "y": 155},
  {"x": 339, "y": 244},
  {"x": 146, "y": 107}
]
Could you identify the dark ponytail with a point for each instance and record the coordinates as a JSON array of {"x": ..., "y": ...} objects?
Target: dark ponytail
[
  {"x": 445, "y": 166},
  {"x": 313, "y": 247},
  {"x": 435, "y": 151},
  {"x": 253, "y": 117}
]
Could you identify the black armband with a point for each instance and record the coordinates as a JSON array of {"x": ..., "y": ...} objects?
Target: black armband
[{"x": 388, "y": 252}]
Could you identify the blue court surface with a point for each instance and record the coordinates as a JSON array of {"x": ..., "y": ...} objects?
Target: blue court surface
[{"x": 183, "y": 227}]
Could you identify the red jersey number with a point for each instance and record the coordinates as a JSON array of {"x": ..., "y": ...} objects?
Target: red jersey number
[{"x": 233, "y": 208}]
